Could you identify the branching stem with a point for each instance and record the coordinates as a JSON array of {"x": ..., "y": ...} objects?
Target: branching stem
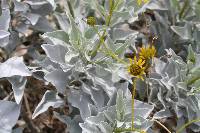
[{"x": 108, "y": 20}]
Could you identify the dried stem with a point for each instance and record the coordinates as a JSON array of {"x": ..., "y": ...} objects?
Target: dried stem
[
  {"x": 162, "y": 125},
  {"x": 27, "y": 117},
  {"x": 27, "y": 106}
]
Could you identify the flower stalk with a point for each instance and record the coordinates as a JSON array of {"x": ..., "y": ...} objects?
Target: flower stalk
[{"x": 133, "y": 96}]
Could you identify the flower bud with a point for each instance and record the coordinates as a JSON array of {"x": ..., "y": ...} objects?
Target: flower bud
[{"x": 91, "y": 21}]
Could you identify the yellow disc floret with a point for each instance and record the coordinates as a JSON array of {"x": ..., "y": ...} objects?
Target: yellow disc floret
[
  {"x": 136, "y": 68},
  {"x": 142, "y": 1}
]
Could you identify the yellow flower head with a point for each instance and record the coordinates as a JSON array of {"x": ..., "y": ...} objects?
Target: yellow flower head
[
  {"x": 142, "y": 1},
  {"x": 147, "y": 52},
  {"x": 136, "y": 68},
  {"x": 91, "y": 21}
]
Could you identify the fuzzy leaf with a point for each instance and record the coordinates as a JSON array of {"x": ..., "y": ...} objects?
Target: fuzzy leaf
[
  {"x": 184, "y": 32},
  {"x": 5, "y": 20},
  {"x": 59, "y": 79},
  {"x": 165, "y": 113},
  {"x": 20, "y": 6},
  {"x": 18, "y": 130},
  {"x": 120, "y": 106},
  {"x": 14, "y": 66},
  {"x": 18, "y": 86},
  {"x": 33, "y": 18},
  {"x": 9, "y": 113},
  {"x": 80, "y": 101},
  {"x": 56, "y": 53},
  {"x": 56, "y": 37},
  {"x": 50, "y": 99},
  {"x": 141, "y": 109},
  {"x": 53, "y": 3},
  {"x": 191, "y": 54},
  {"x": 4, "y": 38},
  {"x": 63, "y": 21},
  {"x": 41, "y": 7},
  {"x": 72, "y": 124},
  {"x": 75, "y": 32},
  {"x": 43, "y": 25}
]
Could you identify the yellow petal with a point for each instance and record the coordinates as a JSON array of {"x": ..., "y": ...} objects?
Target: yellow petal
[
  {"x": 130, "y": 61},
  {"x": 141, "y": 77},
  {"x": 139, "y": 61},
  {"x": 139, "y": 2},
  {"x": 135, "y": 59},
  {"x": 143, "y": 62}
]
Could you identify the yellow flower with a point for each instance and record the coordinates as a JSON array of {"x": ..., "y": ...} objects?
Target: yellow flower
[
  {"x": 136, "y": 68},
  {"x": 91, "y": 21},
  {"x": 142, "y": 1},
  {"x": 147, "y": 52}
]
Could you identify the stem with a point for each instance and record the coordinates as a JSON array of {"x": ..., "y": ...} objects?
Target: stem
[
  {"x": 110, "y": 52},
  {"x": 186, "y": 12},
  {"x": 70, "y": 8},
  {"x": 110, "y": 12},
  {"x": 108, "y": 20},
  {"x": 183, "y": 9},
  {"x": 119, "y": 130},
  {"x": 147, "y": 81},
  {"x": 187, "y": 124},
  {"x": 133, "y": 95},
  {"x": 27, "y": 106},
  {"x": 26, "y": 114}
]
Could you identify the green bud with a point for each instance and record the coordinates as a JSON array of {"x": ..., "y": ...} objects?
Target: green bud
[{"x": 91, "y": 21}]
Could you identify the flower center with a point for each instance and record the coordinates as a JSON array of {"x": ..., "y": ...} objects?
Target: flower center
[{"x": 135, "y": 70}]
